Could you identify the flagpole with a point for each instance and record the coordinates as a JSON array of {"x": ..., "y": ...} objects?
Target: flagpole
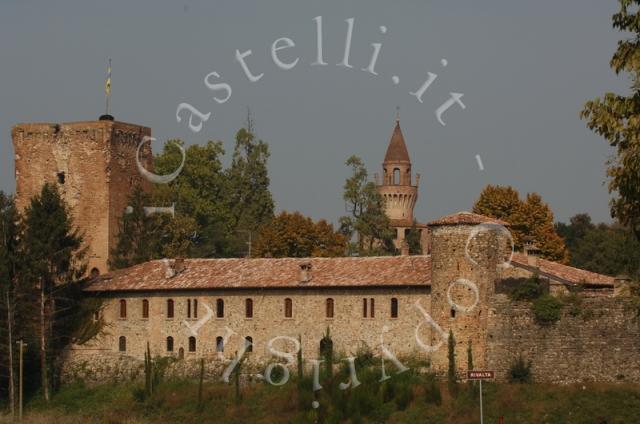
[{"x": 108, "y": 88}]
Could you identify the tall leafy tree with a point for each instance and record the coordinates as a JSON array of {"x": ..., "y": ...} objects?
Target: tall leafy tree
[
  {"x": 616, "y": 117},
  {"x": 531, "y": 218},
  {"x": 413, "y": 240},
  {"x": 53, "y": 257},
  {"x": 294, "y": 235},
  {"x": 9, "y": 272},
  {"x": 248, "y": 196},
  {"x": 367, "y": 217}
]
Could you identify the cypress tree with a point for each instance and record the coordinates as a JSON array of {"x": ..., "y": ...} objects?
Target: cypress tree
[{"x": 452, "y": 381}]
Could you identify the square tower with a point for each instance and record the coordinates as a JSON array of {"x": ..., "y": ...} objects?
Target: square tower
[{"x": 93, "y": 163}]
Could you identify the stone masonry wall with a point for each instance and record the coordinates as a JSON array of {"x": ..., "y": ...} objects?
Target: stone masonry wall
[
  {"x": 350, "y": 331},
  {"x": 601, "y": 343}
]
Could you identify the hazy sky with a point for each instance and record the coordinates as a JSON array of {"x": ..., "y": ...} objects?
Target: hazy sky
[{"x": 525, "y": 69}]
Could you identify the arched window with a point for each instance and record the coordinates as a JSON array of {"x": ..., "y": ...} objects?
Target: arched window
[
  {"x": 396, "y": 176},
  {"x": 122, "y": 344},
  {"x": 220, "y": 308},
  {"x": 248, "y": 343},
  {"x": 288, "y": 308},
  {"x": 329, "y": 308},
  {"x": 219, "y": 344},
  {"x": 145, "y": 308},
  {"x": 169, "y": 344},
  {"x": 248, "y": 308},
  {"x": 95, "y": 273},
  {"x": 453, "y": 312},
  {"x": 192, "y": 344},
  {"x": 169, "y": 308},
  {"x": 394, "y": 307},
  {"x": 181, "y": 353},
  {"x": 123, "y": 308}
]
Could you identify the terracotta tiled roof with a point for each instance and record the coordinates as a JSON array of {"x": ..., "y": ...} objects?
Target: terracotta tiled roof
[
  {"x": 562, "y": 272},
  {"x": 405, "y": 223},
  {"x": 270, "y": 273},
  {"x": 397, "y": 150},
  {"x": 467, "y": 218}
]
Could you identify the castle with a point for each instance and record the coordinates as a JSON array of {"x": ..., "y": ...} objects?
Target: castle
[{"x": 212, "y": 308}]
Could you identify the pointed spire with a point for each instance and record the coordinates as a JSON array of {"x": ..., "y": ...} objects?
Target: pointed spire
[{"x": 397, "y": 150}]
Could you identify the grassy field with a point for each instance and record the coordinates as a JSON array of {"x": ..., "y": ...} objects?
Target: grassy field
[{"x": 405, "y": 400}]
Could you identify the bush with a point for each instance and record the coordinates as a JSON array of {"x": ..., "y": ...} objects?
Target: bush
[
  {"x": 530, "y": 289},
  {"x": 432, "y": 391},
  {"x": 547, "y": 309},
  {"x": 520, "y": 371}
]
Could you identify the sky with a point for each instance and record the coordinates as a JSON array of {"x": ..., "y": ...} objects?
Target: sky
[{"x": 525, "y": 70}]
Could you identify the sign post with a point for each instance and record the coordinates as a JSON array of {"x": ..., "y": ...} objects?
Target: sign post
[{"x": 480, "y": 375}]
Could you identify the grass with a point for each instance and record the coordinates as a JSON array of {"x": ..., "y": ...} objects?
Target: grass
[{"x": 399, "y": 400}]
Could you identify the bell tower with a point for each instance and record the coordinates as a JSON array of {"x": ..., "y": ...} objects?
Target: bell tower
[{"x": 397, "y": 186}]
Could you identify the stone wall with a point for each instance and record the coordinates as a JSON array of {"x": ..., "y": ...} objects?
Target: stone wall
[
  {"x": 350, "y": 330},
  {"x": 600, "y": 343}
]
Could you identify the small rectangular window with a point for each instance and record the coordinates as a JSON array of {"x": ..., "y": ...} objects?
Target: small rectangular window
[
  {"x": 364, "y": 307},
  {"x": 373, "y": 308}
]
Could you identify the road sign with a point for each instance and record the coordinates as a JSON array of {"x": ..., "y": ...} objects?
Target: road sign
[{"x": 481, "y": 375}]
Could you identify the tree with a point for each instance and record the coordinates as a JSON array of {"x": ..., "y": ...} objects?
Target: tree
[
  {"x": 9, "y": 262},
  {"x": 602, "y": 248},
  {"x": 452, "y": 379},
  {"x": 249, "y": 199},
  {"x": 54, "y": 260},
  {"x": 198, "y": 193},
  {"x": 413, "y": 240},
  {"x": 617, "y": 118},
  {"x": 531, "y": 218},
  {"x": 294, "y": 235},
  {"x": 367, "y": 214}
]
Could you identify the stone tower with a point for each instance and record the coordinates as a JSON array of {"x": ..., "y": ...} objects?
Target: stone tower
[
  {"x": 397, "y": 188},
  {"x": 93, "y": 164},
  {"x": 465, "y": 256}
]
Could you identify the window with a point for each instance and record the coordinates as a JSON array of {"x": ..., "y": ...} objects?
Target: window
[
  {"x": 396, "y": 176},
  {"x": 122, "y": 344},
  {"x": 248, "y": 308},
  {"x": 373, "y": 307},
  {"x": 364, "y": 307},
  {"x": 394, "y": 307},
  {"x": 61, "y": 177},
  {"x": 123, "y": 309},
  {"x": 145, "y": 308},
  {"x": 95, "y": 273},
  {"x": 288, "y": 308},
  {"x": 329, "y": 308},
  {"x": 220, "y": 308},
  {"x": 192, "y": 344},
  {"x": 219, "y": 344},
  {"x": 453, "y": 312},
  {"x": 169, "y": 344},
  {"x": 192, "y": 308},
  {"x": 169, "y": 308},
  {"x": 248, "y": 344}
]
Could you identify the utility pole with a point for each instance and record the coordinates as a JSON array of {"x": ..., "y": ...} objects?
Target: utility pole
[{"x": 21, "y": 386}]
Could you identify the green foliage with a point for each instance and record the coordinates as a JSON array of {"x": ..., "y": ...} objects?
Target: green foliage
[
  {"x": 520, "y": 371},
  {"x": 602, "y": 248},
  {"x": 294, "y": 235},
  {"x": 547, "y": 309},
  {"x": 452, "y": 379},
  {"x": 530, "y": 289},
  {"x": 432, "y": 392},
  {"x": 367, "y": 214},
  {"x": 615, "y": 118},
  {"x": 413, "y": 240}
]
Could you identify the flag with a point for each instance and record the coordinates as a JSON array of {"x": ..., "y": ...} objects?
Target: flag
[{"x": 107, "y": 85}]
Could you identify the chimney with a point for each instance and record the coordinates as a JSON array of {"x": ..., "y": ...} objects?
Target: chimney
[
  {"x": 532, "y": 252},
  {"x": 173, "y": 268},
  {"x": 622, "y": 285},
  {"x": 305, "y": 272},
  {"x": 179, "y": 265}
]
